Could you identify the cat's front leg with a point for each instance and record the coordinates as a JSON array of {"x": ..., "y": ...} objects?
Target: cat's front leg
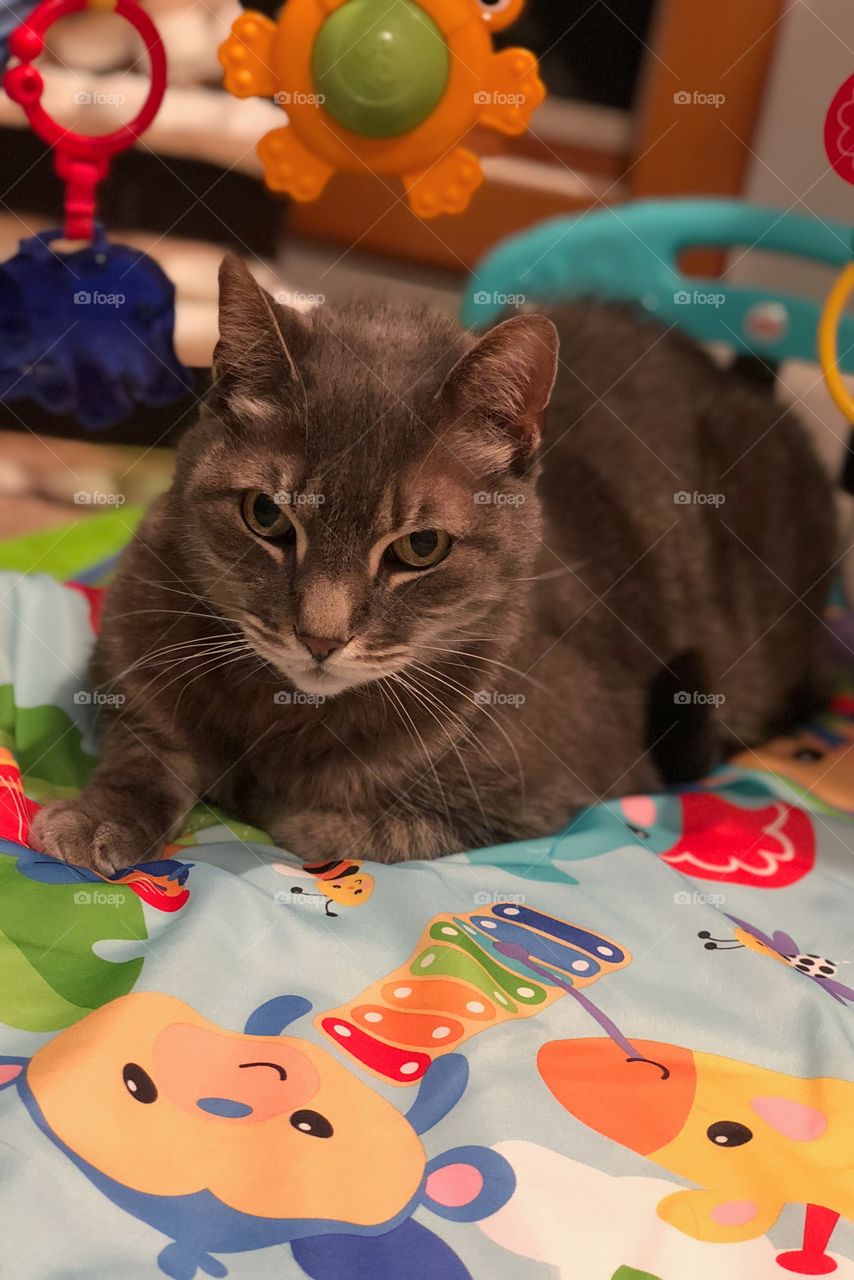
[
  {"x": 314, "y": 834},
  {"x": 135, "y": 803}
]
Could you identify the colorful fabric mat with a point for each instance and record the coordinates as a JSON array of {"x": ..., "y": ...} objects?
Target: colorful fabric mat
[
  {"x": 86, "y": 549},
  {"x": 620, "y": 1053}
]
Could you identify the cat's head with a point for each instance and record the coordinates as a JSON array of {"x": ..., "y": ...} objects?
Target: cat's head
[{"x": 361, "y": 483}]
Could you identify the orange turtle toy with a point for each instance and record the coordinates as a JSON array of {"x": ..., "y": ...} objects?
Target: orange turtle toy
[{"x": 383, "y": 86}]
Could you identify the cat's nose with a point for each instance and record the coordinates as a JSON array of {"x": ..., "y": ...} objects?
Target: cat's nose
[{"x": 321, "y": 647}]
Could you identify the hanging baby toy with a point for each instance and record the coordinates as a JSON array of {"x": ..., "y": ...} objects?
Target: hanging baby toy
[
  {"x": 87, "y": 327},
  {"x": 382, "y": 86}
]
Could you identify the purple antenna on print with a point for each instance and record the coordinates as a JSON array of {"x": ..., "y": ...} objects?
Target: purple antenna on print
[
  {"x": 516, "y": 951},
  {"x": 817, "y": 968}
]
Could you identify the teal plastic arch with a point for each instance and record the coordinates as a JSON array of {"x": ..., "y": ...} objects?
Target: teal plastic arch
[{"x": 630, "y": 252}]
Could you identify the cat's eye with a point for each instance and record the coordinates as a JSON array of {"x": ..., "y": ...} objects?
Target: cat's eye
[
  {"x": 419, "y": 550},
  {"x": 265, "y": 517}
]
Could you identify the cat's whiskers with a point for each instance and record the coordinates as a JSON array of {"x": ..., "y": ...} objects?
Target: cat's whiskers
[
  {"x": 179, "y": 613},
  {"x": 466, "y": 727},
  {"x": 217, "y": 651},
  {"x": 547, "y": 574},
  {"x": 418, "y": 739},
  {"x": 198, "y": 602},
  {"x": 210, "y": 611},
  {"x": 481, "y": 657},
  {"x": 420, "y": 692},
  {"x": 151, "y": 655},
  {"x": 176, "y": 591},
  {"x": 469, "y": 697},
  {"x": 171, "y": 660},
  {"x": 224, "y": 660},
  {"x": 206, "y": 666},
  {"x": 402, "y": 799},
  {"x": 261, "y": 666}
]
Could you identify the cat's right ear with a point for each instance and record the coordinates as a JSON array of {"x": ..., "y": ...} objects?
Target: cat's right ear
[
  {"x": 503, "y": 385},
  {"x": 260, "y": 341}
]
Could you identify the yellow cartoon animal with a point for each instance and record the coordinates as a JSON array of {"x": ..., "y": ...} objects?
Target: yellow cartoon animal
[
  {"x": 753, "y": 1139},
  {"x": 342, "y": 881},
  {"x": 231, "y": 1141}
]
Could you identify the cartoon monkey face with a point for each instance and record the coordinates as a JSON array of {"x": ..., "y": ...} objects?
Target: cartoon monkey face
[{"x": 154, "y": 1096}]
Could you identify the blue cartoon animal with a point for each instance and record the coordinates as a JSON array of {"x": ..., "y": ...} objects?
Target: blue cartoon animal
[
  {"x": 162, "y": 883},
  {"x": 741, "y": 835},
  {"x": 227, "y": 1141}
]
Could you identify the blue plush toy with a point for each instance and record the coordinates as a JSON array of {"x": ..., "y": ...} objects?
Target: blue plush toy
[{"x": 88, "y": 333}]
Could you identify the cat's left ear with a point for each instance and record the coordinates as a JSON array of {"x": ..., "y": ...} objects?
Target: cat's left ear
[
  {"x": 260, "y": 342},
  {"x": 506, "y": 378}
]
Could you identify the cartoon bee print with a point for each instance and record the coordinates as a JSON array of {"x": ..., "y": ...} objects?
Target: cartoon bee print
[{"x": 341, "y": 881}]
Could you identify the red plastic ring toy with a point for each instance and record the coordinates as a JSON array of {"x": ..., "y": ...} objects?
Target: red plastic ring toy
[{"x": 81, "y": 159}]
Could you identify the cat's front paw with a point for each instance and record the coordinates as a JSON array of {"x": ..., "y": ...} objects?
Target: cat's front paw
[{"x": 85, "y": 833}]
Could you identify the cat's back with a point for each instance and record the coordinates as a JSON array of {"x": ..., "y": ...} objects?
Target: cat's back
[
  {"x": 642, "y": 420},
  {"x": 629, "y": 386},
  {"x": 683, "y": 495}
]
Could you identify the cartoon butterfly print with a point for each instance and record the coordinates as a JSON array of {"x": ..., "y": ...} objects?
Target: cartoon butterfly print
[{"x": 782, "y": 947}]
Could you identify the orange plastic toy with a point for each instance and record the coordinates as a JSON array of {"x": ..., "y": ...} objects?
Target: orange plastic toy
[{"x": 384, "y": 86}]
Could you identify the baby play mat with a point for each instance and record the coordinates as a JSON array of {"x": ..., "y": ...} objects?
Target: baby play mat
[{"x": 620, "y": 1053}]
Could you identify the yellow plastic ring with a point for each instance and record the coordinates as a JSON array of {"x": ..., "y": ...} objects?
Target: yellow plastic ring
[{"x": 828, "y": 333}]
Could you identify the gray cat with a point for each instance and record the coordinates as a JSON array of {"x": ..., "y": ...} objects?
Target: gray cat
[{"x": 377, "y": 614}]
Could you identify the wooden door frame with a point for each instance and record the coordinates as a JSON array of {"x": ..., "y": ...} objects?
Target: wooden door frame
[{"x": 701, "y": 95}]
